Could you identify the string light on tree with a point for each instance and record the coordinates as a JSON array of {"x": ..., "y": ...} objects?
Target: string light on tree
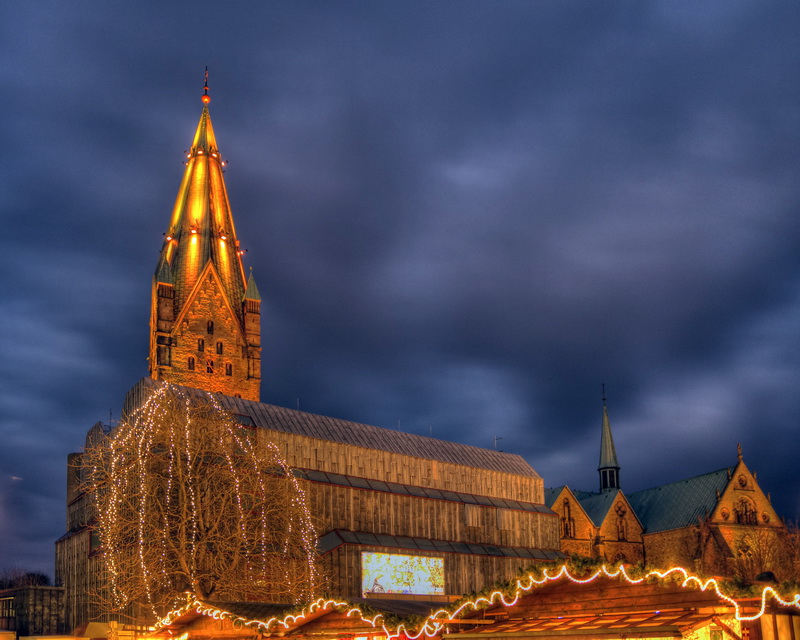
[{"x": 189, "y": 500}]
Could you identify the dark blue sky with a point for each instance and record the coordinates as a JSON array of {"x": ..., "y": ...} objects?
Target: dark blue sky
[{"x": 463, "y": 217}]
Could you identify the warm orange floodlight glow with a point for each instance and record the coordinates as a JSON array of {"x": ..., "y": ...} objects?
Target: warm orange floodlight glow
[{"x": 436, "y": 622}]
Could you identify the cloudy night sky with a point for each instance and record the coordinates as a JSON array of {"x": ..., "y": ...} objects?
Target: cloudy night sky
[{"x": 463, "y": 218}]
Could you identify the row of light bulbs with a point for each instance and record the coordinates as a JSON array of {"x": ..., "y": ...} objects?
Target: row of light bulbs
[{"x": 436, "y": 621}]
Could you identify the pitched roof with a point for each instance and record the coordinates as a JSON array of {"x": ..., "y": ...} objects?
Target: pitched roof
[
  {"x": 679, "y": 504},
  {"x": 267, "y": 416},
  {"x": 596, "y": 505},
  {"x": 551, "y": 495}
]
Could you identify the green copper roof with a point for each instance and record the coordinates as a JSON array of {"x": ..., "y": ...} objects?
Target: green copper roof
[
  {"x": 164, "y": 273},
  {"x": 608, "y": 454},
  {"x": 596, "y": 505},
  {"x": 679, "y": 504},
  {"x": 251, "y": 292},
  {"x": 551, "y": 494}
]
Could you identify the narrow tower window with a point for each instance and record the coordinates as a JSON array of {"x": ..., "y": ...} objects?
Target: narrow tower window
[
  {"x": 228, "y": 369},
  {"x": 210, "y": 327},
  {"x": 219, "y": 348},
  {"x": 568, "y": 523},
  {"x": 190, "y": 364},
  {"x": 209, "y": 366},
  {"x": 622, "y": 527},
  {"x": 201, "y": 344}
]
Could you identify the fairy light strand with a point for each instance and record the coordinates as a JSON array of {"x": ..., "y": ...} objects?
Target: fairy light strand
[{"x": 435, "y": 623}]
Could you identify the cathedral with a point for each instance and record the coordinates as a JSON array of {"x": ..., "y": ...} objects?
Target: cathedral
[
  {"x": 468, "y": 516},
  {"x": 465, "y": 515}
]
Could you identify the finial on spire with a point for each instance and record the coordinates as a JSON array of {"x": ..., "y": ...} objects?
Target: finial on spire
[
  {"x": 206, "y": 98},
  {"x": 739, "y": 451}
]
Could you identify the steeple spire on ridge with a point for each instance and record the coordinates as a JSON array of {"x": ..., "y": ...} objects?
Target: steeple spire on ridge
[{"x": 609, "y": 465}]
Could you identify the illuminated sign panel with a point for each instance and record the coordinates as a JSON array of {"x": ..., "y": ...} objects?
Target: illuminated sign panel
[{"x": 394, "y": 573}]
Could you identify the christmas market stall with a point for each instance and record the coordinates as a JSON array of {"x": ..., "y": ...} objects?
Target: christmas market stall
[{"x": 554, "y": 603}]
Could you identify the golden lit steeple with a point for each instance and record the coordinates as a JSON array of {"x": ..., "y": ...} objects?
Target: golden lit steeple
[{"x": 201, "y": 253}]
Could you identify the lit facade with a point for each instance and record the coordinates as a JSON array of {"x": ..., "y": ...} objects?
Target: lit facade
[
  {"x": 205, "y": 322},
  {"x": 470, "y": 516}
]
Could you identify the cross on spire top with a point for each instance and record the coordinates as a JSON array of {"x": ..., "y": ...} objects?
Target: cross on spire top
[{"x": 206, "y": 98}]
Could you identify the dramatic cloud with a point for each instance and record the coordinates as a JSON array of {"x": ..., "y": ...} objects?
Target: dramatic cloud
[{"x": 463, "y": 218}]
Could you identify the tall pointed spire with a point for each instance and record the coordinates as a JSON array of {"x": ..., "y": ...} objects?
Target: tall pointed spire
[
  {"x": 201, "y": 228},
  {"x": 609, "y": 466},
  {"x": 205, "y": 293}
]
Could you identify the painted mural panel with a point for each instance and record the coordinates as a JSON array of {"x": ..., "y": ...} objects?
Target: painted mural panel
[{"x": 402, "y": 574}]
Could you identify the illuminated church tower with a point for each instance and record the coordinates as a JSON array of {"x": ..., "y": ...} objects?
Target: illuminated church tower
[{"x": 205, "y": 323}]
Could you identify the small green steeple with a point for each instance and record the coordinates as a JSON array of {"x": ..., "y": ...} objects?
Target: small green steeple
[
  {"x": 609, "y": 465},
  {"x": 251, "y": 292}
]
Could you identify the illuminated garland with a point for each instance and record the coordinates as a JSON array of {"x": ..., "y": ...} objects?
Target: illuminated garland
[{"x": 437, "y": 620}]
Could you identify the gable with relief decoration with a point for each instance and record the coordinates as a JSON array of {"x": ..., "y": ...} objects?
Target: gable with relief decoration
[
  {"x": 742, "y": 502},
  {"x": 621, "y": 533}
]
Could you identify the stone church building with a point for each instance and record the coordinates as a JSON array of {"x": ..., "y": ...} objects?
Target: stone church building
[
  {"x": 718, "y": 523},
  {"x": 473, "y": 516},
  {"x": 476, "y": 515}
]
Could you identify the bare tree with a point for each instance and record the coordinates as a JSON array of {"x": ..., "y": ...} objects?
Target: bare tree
[
  {"x": 790, "y": 563},
  {"x": 759, "y": 552},
  {"x": 15, "y": 577},
  {"x": 189, "y": 500}
]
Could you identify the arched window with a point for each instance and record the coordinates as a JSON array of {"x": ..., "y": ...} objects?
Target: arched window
[
  {"x": 209, "y": 366},
  {"x": 190, "y": 364},
  {"x": 201, "y": 344},
  {"x": 228, "y": 369},
  {"x": 219, "y": 348},
  {"x": 210, "y": 327}
]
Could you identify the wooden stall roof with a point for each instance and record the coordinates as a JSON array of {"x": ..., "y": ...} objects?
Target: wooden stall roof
[
  {"x": 604, "y": 608},
  {"x": 245, "y": 610},
  {"x": 606, "y": 604},
  {"x": 643, "y": 625}
]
